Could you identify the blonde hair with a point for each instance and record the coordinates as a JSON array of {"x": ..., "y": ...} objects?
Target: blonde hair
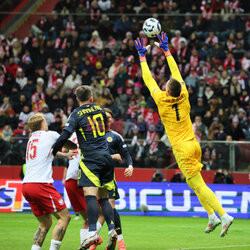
[{"x": 35, "y": 122}]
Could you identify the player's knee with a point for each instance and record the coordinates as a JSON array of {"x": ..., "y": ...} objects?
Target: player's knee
[{"x": 67, "y": 218}]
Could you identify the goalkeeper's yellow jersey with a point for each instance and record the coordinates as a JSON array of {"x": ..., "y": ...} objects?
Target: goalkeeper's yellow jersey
[{"x": 174, "y": 111}]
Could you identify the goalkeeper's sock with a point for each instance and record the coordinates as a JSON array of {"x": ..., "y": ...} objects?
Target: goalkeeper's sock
[
  {"x": 212, "y": 217},
  {"x": 202, "y": 200},
  {"x": 205, "y": 193}
]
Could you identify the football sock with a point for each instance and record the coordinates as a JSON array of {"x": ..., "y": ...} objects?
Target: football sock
[
  {"x": 35, "y": 247},
  {"x": 92, "y": 212},
  {"x": 108, "y": 213},
  {"x": 204, "y": 193},
  {"x": 212, "y": 216},
  {"x": 55, "y": 244},
  {"x": 202, "y": 201},
  {"x": 225, "y": 218},
  {"x": 83, "y": 234},
  {"x": 118, "y": 227},
  {"x": 98, "y": 226},
  {"x": 120, "y": 237}
]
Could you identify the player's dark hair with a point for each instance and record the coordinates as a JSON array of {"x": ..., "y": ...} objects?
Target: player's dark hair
[
  {"x": 109, "y": 111},
  {"x": 174, "y": 87},
  {"x": 83, "y": 93}
]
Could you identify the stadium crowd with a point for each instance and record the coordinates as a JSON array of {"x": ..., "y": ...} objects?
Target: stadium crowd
[{"x": 92, "y": 43}]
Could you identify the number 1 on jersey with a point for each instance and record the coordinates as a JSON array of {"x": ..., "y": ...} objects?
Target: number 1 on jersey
[{"x": 175, "y": 106}]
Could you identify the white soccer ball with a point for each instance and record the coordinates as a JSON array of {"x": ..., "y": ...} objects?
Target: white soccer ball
[{"x": 151, "y": 27}]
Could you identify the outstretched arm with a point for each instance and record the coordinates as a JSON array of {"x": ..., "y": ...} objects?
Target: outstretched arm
[
  {"x": 146, "y": 74},
  {"x": 171, "y": 62}
]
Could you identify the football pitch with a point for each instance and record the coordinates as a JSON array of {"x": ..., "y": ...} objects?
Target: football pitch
[{"x": 140, "y": 233}]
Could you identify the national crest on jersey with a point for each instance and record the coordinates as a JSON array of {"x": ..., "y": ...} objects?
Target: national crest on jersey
[{"x": 109, "y": 139}]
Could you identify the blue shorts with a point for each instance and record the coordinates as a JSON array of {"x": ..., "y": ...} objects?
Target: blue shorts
[{"x": 97, "y": 170}]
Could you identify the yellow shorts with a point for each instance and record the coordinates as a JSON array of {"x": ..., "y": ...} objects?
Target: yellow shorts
[{"x": 188, "y": 157}]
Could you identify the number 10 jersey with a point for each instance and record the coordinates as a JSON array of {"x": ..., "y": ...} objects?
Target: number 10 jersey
[{"x": 88, "y": 121}]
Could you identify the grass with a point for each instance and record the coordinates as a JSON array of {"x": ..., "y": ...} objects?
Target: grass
[{"x": 140, "y": 233}]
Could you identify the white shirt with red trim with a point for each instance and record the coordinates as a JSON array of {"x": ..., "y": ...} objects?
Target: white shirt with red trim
[
  {"x": 72, "y": 172},
  {"x": 39, "y": 157}
]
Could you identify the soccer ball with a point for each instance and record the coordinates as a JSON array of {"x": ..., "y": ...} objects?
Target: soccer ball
[{"x": 151, "y": 27}]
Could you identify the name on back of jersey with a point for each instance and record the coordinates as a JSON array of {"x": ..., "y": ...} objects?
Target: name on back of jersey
[{"x": 88, "y": 110}]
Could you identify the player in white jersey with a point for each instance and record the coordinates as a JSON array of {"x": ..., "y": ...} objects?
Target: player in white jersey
[
  {"x": 37, "y": 186},
  {"x": 75, "y": 193}
]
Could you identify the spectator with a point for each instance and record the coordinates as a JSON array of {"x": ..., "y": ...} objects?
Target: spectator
[
  {"x": 158, "y": 177},
  {"x": 104, "y": 5},
  {"x": 4, "y": 147},
  {"x": 225, "y": 79},
  {"x": 224, "y": 153},
  {"x": 231, "y": 42},
  {"x": 114, "y": 69},
  {"x": 234, "y": 129},
  {"x": 20, "y": 78},
  {"x": 178, "y": 177},
  {"x": 6, "y": 106},
  {"x": 212, "y": 39},
  {"x": 95, "y": 41},
  {"x": 95, "y": 12},
  {"x": 121, "y": 100},
  {"x": 12, "y": 120},
  {"x": 47, "y": 115},
  {"x": 235, "y": 88},
  {"x": 198, "y": 126},
  {"x": 7, "y": 133},
  {"x": 155, "y": 153},
  {"x": 200, "y": 109},
  {"x": 222, "y": 176},
  {"x": 25, "y": 114},
  {"x": 43, "y": 24},
  {"x": 57, "y": 124},
  {"x": 229, "y": 63},
  {"x": 121, "y": 26},
  {"x": 73, "y": 80}
]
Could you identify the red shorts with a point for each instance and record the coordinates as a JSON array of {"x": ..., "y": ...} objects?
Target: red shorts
[
  {"x": 43, "y": 198},
  {"x": 76, "y": 195}
]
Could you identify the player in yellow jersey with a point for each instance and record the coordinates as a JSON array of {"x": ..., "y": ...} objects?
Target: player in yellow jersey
[{"x": 174, "y": 108}]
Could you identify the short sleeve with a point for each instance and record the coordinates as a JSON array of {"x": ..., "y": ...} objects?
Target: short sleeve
[
  {"x": 53, "y": 135},
  {"x": 70, "y": 126}
]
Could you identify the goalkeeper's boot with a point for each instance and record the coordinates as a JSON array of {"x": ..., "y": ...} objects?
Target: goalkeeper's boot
[
  {"x": 212, "y": 224},
  {"x": 226, "y": 223},
  {"x": 88, "y": 242},
  {"x": 93, "y": 247},
  {"x": 112, "y": 240}
]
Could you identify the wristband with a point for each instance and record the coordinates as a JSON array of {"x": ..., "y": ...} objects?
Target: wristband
[
  {"x": 167, "y": 53},
  {"x": 142, "y": 58}
]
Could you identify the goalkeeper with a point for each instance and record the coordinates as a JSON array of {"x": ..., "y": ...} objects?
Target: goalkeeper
[{"x": 174, "y": 108}]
